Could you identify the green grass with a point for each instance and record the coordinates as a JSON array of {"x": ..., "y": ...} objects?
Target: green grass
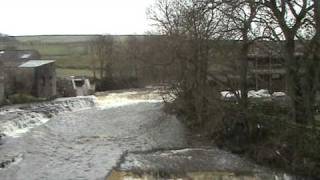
[
  {"x": 67, "y": 55},
  {"x": 73, "y": 72},
  {"x": 73, "y": 62},
  {"x": 55, "y": 38},
  {"x": 70, "y": 51}
]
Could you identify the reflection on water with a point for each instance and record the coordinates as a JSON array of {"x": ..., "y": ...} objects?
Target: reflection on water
[{"x": 118, "y": 175}]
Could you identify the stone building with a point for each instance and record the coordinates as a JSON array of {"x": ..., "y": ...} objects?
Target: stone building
[
  {"x": 266, "y": 67},
  {"x": 25, "y": 73},
  {"x": 75, "y": 86},
  {"x": 41, "y": 78},
  {"x": 1, "y": 84}
]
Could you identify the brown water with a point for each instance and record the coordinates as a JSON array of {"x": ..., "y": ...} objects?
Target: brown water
[{"x": 118, "y": 175}]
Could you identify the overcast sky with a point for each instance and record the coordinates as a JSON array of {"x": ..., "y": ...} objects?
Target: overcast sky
[{"x": 34, "y": 17}]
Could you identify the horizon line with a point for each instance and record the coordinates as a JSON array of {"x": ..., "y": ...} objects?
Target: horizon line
[{"x": 82, "y": 35}]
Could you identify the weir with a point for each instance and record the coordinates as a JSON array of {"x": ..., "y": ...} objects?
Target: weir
[{"x": 19, "y": 119}]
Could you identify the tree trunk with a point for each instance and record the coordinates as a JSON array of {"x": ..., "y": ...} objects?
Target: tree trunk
[
  {"x": 298, "y": 110},
  {"x": 311, "y": 73},
  {"x": 243, "y": 75},
  {"x": 291, "y": 83},
  {"x": 101, "y": 68}
]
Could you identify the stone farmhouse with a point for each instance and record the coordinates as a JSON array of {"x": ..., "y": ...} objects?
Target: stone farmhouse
[{"x": 23, "y": 71}]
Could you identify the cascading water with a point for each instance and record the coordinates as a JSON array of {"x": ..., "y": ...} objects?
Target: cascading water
[
  {"x": 120, "y": 133},
  {"x": 14, "y": 121},
  {"x": 17, "y": 122},
  {"x": 114, "y": 100}
]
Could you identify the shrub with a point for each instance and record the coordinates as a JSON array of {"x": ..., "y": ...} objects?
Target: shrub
[
  {"x": 264, "y": 132},
  {"x": 23, "y": 98},
  {"x": 116, "y": 83}
]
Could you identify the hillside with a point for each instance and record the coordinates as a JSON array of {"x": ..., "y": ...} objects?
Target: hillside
[
  {"x": 55, "y": 38},
  {"x": 70, "y": 51}
]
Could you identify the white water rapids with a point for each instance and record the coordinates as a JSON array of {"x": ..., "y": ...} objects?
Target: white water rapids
[
  {"x": 84, "y": 137},
  {"x": 19, "y": 119}
]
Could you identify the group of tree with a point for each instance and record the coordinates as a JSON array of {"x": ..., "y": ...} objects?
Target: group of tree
[
  {"x": 192, "y": 25},
  {"x": 101, "y": 50},
  {"x": 145, "y": 59},
  {"x": 200, "y": 33}
]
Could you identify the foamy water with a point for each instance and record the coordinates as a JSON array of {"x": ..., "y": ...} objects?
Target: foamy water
[
  {"x": 114, "y": 100},
  {"x": 15, "y": 122},
  {"x": 21, "y": 123}
]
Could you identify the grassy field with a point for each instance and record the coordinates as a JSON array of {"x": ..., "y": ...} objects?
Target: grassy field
[
  {"x": 71, "y": 52},
  {"x": 67, "y": 38},
  {"x": 55, "y": 38},
  {"x": 63, "y": 72},
  {"x": 67, "y": 55}
]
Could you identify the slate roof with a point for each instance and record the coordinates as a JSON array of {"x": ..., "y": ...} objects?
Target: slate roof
[
  {"x": 19, "y": 54},
  {"x": 35, "y": 63},
  {"x": 14, "y": 58}
]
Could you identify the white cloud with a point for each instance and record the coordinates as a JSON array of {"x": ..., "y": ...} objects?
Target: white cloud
[{"x": 25, "y": 17}]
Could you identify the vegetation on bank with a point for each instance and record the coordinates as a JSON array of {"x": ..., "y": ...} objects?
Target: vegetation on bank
[
  {"x": 284, "y": 135},
  {"x": 22, "y": 99},
  {"x": 265, "y": 134}
]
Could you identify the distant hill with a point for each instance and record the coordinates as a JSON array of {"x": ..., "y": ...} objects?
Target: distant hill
[
  {"x": 6, "y": 38},
  {"x": 70, "y": 51},
  {"x": 55, "y": 38},
  {"x": 66, "y": 38}
]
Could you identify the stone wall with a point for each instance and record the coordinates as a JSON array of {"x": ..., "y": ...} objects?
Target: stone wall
[
  {"x": 45, "y": 81},
  {"x": 18, "y": 80},
  {"x": 2, "y": 96}
]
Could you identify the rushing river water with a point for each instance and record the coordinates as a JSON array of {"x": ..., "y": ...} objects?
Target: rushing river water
[
  {"x": 106, "y": 137},
  {"x": 116, "y": 175}
]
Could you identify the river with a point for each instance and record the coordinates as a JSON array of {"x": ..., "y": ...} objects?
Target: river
[{"x": 86, "y": 138}]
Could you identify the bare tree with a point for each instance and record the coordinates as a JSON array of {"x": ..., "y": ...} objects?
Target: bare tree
[
  {"x": 291, "y": 17},
  {"x": 191, "y": 24},
  {"x": 194, "y": 23},
  {"x": 133, "y": 52},
  {"x": 102, "y": 51},
  {"x": 239, "y": 19},
  {"x": 312, "y": 72}
]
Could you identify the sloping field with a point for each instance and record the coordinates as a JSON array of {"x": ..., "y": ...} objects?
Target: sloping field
[
  {"x": 56, "y": 38},
  {"x": 70, "y": 51}
]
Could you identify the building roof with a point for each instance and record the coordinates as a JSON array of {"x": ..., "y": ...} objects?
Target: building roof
[
  {"x": 14, "y": 58},
  {"x": 19, "y": 54},
  {"x": 36, "y": 63}
]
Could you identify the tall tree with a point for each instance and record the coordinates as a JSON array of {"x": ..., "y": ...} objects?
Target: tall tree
[
  {"x": 291, "y": 17},
  {"x": 192, "y": 24},
  {"x": 102, "y": 51},
  {"x": 238, "y": 25}
]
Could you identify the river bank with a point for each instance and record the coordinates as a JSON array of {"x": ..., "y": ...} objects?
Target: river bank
[{"x": 115, "y": 133}]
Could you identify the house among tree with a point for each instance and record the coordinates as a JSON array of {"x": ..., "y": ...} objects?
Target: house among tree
[
  {"x": 267, "y": 65},
  {"x": 24, "y": 72}
]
